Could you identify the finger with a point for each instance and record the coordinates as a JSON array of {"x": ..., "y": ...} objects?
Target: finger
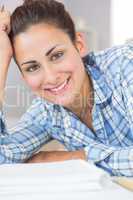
[
  {"x": 4, "y": 11},
  {"x": 2, "y": 8},
  {"x": 3, "y": 27}
]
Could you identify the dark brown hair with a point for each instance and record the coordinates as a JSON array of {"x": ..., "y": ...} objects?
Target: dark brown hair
[{"x": 41, "y": 11}]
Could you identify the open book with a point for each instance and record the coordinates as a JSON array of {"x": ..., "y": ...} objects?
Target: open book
[{"x": 67, "y": 180}]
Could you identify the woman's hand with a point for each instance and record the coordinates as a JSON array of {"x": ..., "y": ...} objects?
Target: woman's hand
[
  {"x": 5, "y": 49},
  {"x": 54, "y": 156}
]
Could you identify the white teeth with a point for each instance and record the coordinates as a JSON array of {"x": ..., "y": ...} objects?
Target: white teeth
[{"x": 60, "y": 87}]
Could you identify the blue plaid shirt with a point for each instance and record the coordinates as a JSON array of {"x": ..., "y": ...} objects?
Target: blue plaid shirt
[{"x": 110, "y": 146}]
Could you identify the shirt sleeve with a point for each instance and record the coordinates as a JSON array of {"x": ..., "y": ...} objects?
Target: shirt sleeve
[
  {"x": 31, "y": 132},
  {"x": 118, "y": 161}
]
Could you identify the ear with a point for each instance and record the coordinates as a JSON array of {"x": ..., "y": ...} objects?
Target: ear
[{"x": 81, "y": 44}]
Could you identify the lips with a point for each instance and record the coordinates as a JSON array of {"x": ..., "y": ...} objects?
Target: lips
[{"x": 60, "y": 88}]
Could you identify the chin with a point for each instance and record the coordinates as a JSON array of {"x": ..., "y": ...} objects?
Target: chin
[{"x": 62, "y": 101}]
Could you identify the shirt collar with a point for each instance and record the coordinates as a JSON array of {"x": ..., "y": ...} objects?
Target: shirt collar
[{"x": 102, "y": 92}]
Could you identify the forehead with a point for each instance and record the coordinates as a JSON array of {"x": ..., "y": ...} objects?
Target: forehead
[
  {"x": 39, "y": 32},
  {"x": 39, "y": 36}
]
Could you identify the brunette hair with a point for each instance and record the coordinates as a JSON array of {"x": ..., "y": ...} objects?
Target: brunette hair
[{"x": 41, "y": 11}]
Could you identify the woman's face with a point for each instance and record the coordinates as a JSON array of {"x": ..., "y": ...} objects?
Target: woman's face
[{"x": 50, "y": 63}]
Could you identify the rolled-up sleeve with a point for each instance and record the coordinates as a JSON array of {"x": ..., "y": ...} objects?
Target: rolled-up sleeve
[
  {"x": 31, "y": 132},
  {"x": 116, "y": 161}
]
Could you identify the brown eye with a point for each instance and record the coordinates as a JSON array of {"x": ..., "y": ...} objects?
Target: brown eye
[
  {"x": 57, "y": 56},
  {"x": 32, "y": 68}
]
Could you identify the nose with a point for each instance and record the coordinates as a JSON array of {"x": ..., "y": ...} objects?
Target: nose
[{"x": 50, "y": 76}]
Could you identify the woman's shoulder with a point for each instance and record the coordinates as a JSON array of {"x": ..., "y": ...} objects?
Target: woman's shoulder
[
  {"x": 115, "y": 63},
  {"x": 115, "y": 52},
  {"x": 110, "y": 57}
]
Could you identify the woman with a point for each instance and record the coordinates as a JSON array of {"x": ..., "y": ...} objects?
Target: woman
[{"x": 85, "y": 102}]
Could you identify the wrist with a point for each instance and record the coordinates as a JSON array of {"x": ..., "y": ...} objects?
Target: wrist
[
  {"x": 79, "y": 154},
  {"x": 4, "y": 62},
  {"x": 3, "y": 77},
  {"x": 4, "y": 65}
]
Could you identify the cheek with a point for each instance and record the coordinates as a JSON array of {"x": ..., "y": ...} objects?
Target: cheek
[
  {"x": 76, "y": 68},
  {"x": 71, "y": 65},
  {"x": 33, "y": 83},
  {"x": 75, "y": 63}
]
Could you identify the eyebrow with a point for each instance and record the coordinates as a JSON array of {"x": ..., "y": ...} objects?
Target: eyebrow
[
  {"x": 47, "y": 53},
  {"x": 29, "y": 62}
]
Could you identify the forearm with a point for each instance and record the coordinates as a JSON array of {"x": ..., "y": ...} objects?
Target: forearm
[
  {"x": 68, "y": 155},
  {"x": 3, "y": 77},
  {"x": 54, "y": 156},
  {"x": 6, "y": 50}
]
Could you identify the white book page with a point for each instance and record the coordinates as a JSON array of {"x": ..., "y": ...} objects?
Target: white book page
[{"x": 67, "y": 180}]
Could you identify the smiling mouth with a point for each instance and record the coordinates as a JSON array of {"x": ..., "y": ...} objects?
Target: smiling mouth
[{"x": 60, "y": 88}]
